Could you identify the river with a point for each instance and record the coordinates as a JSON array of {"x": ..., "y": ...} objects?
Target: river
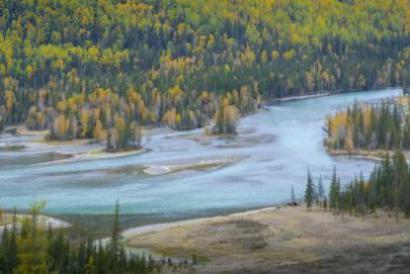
[{"x": 273, "y": 151}]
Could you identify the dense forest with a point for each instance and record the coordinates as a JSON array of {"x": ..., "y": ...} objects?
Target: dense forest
[
  {"x": 384, "y": 126},
  {"x": 387, "y": 188},
  {"x": 27, "y": 248},
  {"x": 103, "y": 68}
]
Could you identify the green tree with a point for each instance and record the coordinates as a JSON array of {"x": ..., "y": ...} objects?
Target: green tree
[{"x": 309, "y": 192}]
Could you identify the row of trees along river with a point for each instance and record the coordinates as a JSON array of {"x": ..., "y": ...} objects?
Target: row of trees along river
[{"x": 387, "y": 188}]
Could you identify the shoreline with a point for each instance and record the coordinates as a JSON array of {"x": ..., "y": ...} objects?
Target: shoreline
[
  {"x": 301, "y": 97},
  {"x": 376, "y": 155},
  {"x": 139, "y": 230},
  {"x": 325, "y": 93},
  {"x": 44, "y": 221}
]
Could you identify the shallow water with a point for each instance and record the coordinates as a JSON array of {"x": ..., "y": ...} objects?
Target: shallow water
[{"x": 275, "y": 146}]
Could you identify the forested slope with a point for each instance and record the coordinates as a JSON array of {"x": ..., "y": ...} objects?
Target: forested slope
[{"x": 101, "y": 68}]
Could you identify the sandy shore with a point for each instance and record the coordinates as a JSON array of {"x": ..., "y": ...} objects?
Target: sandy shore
[
  {"x": 43, "y": 221},
  {"x": 97, "y": 155},
  {"x": 302, "y": 97},
  {"x": 374, "y": 155},
  {"x": 198, "y": 165},
  {"x": 282, "y": 240}
]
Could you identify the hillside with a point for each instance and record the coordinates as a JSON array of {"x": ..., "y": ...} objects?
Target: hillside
[{"x": 101, "y": 69}]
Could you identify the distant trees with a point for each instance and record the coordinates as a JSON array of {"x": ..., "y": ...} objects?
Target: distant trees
[
  {"x": 387, "y": 188},
  {"x": 371, "y": 127},
  {"x": 157, "y": 64}
]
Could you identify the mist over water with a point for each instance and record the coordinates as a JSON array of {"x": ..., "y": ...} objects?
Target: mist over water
[{"x": 273, "y": 151}]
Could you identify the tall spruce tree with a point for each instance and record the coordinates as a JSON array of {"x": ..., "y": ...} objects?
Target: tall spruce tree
[
  {"x": 320, "y": 192},
  {"x": 333, "y": 195},
  {"x": 309, "y": 192},
  {"x": 115, "y": 241},
  {"x": 292, "y": 195}
]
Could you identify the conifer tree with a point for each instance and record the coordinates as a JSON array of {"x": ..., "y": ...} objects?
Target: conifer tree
[
  {"x": 309, "y": 192},
  {"x": 115, "y": 241},
  {"x": 320, "y": 192},
  {"x": 292, "y": 195},
  {"x": 333, "y": 195}
]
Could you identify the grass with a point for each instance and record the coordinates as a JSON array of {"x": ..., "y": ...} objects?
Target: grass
[{"x": 273, "y": 238}]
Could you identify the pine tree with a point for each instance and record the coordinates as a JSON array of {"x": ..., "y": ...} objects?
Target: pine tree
[
  {"x": 333, "y": 194},
  {"x": 32, "y": 251},
  {"x": 292, "y": 196},
  {"x": 320, "y": 192},
  {"x": 309, "y": 192},
  {"x": 115, "y": 241}
]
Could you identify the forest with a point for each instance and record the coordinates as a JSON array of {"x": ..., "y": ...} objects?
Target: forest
[
  {"x": 103, "y": 69},
  {"x": 384, "y": 126},
  {"x": 28, "y": 248},
  {"x": 387, "y": 188}
]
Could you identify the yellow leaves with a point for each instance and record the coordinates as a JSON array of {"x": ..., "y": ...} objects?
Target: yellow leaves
[
  {"x": 84, "y": 120},
  {"x": 99, "y": 133},
  {"x": 274, "y": 55},
  {"x": 3, "y": 69},
  {"x": 61, "y": 106},
  {"x": 93, "y": 54},
  {"x": 175, "y": 92},
  {"x": 225, "y": 102},
  {"x": 10, "y": 100},
  {"x": 337, "y": 123},
  {"x": 119, "y": 122},
  {"x": 288, "y": 55},
  {"x": 181, "y": 29},
  {"x": 61, "y": 125},
  {"x": 248, "y": 56},
  {"x": 58, "y": 64},
  {"x": 349, "y": 145},
  {"x": 84, "y": 15},
  {"x": 178, "y": 119},
  {"x": 295, "y": 36},
  {"x": 29, "y": 71},
  {"x": 6, "y": 50},
  {"x": 264, "y": 57},
  {"x": 204, "y": 97},
  {"x": 211, "y": 41},
  {"x": 170, "y": 118},
  {"x": 367, "y": 116},
  {"x": 231, "y": 114},
  {"x": 135, "y": 14},
  {"x": 226, "y": 118},
  {"x": 49, "y": 51},
  {"x": 133, "y": 96}
]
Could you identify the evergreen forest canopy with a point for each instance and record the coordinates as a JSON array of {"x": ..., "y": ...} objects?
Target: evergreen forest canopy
[{"x": 103, "y": 68}]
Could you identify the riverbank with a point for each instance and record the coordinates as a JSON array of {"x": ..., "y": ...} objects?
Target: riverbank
[
  {"x": 302, "y": 97},
  {"x": 43, "y": 221},
  {"x": 325, "y": 93},
  {"x": 282, "y": 240},
  {"x": 374, "y": 155}
]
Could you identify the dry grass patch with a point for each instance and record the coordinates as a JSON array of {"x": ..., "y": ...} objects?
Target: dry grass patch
[{"x": 273, "y": 237}]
